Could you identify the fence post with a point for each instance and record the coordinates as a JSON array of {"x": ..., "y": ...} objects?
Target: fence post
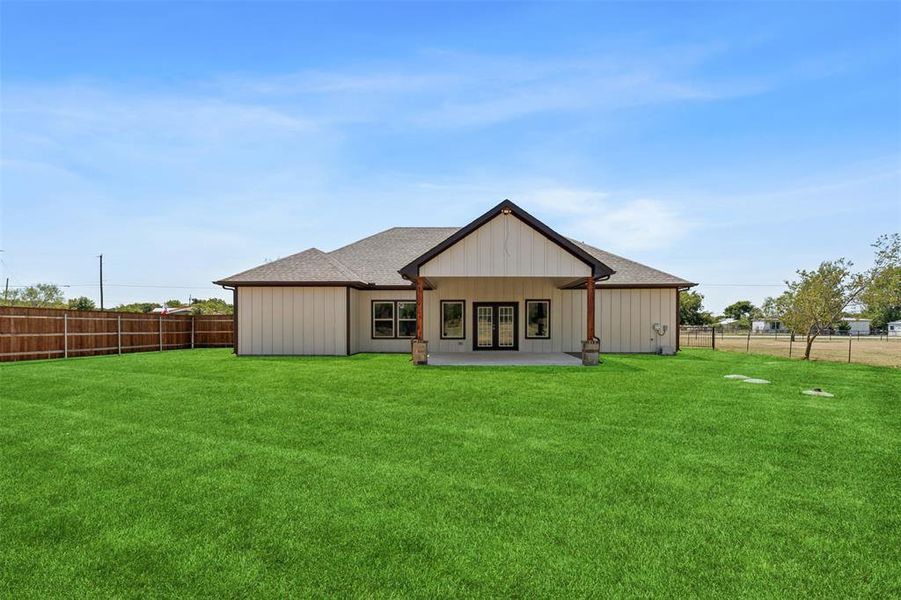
[
  {"x": 65, "y": 335},
  {"x": 791, "y": 340},
  {"x": 713, "y": 338},
  {"x": 192, "y": 332},
  {"x": 849, "y": 347},
  {"x": 119, "y": 332},
  {"x": 748, "y": 345},
  {"x": 161, "y": 333}
]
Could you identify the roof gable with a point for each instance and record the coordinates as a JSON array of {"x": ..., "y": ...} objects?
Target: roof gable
[{"x": 507, "y": 208}]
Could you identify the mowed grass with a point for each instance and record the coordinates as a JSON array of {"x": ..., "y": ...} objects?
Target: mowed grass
[{"x": 195, "y": 473}]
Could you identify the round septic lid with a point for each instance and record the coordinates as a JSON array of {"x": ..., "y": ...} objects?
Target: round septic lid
[
  {"x": 735, "y": 376},
  {"x": 818, "y": 392},
  {"x": 755, "y": 381}
]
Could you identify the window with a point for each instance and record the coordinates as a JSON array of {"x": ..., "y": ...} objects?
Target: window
[
  {"x": 538, "y": 319},
  {"x": 453, "y": 320},
  {"x": 383, "y": 319},
  {"x": 406, "y": 319},
  {"x": 392, "y": 319}
]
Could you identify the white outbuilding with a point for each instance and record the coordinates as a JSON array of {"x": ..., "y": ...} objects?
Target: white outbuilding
[
  {"x": 894, "y": 328},
  {"x": 857, "y": 326}
]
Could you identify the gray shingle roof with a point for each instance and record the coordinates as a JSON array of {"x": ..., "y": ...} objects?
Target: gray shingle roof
[
  {"x": 310, "y": 265},
  {"x": 381, "y": 255},
  {"x": 629, "y": 272},
  {"x": 377, "y": 258}
]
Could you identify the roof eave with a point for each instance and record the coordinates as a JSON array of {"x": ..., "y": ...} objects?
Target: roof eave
[{"x": 296, "y": 283}]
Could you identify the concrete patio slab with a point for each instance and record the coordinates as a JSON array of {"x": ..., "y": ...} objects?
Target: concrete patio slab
[{"x": 478, "y": 359}]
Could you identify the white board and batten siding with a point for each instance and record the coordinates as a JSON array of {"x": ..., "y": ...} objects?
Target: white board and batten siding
[
  {"x": 312, "y": 320},
  {"x": 624, "y": 318},
  {"x": 292, "y": 320},
  {"x": 361, "y": 321},
  {"x": 505, "y": 247}
]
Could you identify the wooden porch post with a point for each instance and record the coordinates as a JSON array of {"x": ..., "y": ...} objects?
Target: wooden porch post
[
  {"x": 419, "y": 347},
  {"x": 419, "y": 286},
  {"x": 590, "y": 290},
  {"x": 591, "y": 345}
]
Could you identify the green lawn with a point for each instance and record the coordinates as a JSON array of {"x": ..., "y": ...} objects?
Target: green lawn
[{"x": 196, "y": 473}]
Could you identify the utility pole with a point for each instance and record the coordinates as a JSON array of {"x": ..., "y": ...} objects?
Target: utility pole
[
  {"x": 6, "y": 291},
  {"x": 101, "y": 281}
]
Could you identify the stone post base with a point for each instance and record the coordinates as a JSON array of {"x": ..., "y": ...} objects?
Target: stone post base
[
  {"x": 420, "y": 351},
  {"x": 590, "y": 352}
]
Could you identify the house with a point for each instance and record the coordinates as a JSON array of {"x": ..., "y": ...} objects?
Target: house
[
  {"x": 506, "y": 281},
  {"x": 893, "y": 328},
  {"x": 767, "y": 325},
  {"x": 728, "y": 324},
  {"x": 857, "y": 326},
  {"x": 173, "y": 310}
]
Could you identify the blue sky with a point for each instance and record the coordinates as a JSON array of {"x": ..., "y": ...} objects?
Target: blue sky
[{"x": 728, "y": 144}]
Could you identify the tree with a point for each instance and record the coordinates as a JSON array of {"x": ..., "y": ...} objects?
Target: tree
[
  {"x": 739, "y": 310},
  {"x": 82, "y": 303},
  {"x": 881, "y": 299},
  {"x": 691, "y": 309},
  {"x": 173, "y": 303},
  {"x": 211, "y": 306},
  {"x": 39, "y": 295},
  {"x": 817, "y": 299},
  {"x": 140, "y": 307}
]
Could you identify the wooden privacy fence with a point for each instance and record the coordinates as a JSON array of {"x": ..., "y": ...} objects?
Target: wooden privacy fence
[{"x": 34, "y": 333}]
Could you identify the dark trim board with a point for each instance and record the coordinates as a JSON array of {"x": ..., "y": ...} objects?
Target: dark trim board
[
  {"x": 678, "y": 316},
  {"x": 351, "y": 284},
  {"x": 347, "y": 321},
  {"x": 598, "y": 269},
  {"x": 641, "y": 286},
  {"x": 494, "y": 334},
  {"x": 235, "y": 319}
]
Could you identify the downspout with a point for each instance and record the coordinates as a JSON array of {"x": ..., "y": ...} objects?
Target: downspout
[
  {"x": 347, "y": 320},
  {"x": 597, "y": 304},
  {"x": 234, "y": 317},
  {"x": 678, "y": 315}
]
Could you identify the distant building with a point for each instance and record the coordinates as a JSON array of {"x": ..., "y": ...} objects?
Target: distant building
[
  {"x": 173, "y": 310},
  {"x": 894, "y": 328},
  {"x": 728, "y": 324},
  {"x": 857, "y": 326},
  {"x": 767, "y": 326}
]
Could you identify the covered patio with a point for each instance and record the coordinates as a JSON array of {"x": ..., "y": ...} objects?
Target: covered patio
[
  {"x": 501, "y": 262},
  {"x": 479, "y": 359}
]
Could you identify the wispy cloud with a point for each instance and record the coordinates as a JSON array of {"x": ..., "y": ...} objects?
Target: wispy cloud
[
  {"x": 616, "y": 223},
  {"x": 446, "y": 90}
]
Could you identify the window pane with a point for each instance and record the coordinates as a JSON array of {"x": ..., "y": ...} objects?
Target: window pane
[
  {"x": 406, "y": 328},
  {"x": 537, "y": 323},
  {"x": 452, "y": 319},
  {"x": 383, "y": 328},
  {"x": 383, "y": 310},
  {"x": 406, "y": 310}
]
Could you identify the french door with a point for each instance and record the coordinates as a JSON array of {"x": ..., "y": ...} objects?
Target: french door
[{"x": 496, "y": 326}]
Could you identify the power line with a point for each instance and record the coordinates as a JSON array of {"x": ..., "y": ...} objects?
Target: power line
[
  {"x": 743, "y": 284},
  {"x": 126, "y": 285}
]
